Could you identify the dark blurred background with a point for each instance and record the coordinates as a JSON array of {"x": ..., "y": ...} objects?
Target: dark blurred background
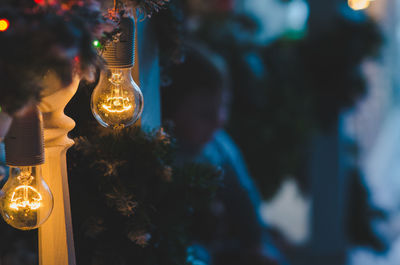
[
  {"x": 313, "y": 110},
  {"x": 298, "y": 101}
]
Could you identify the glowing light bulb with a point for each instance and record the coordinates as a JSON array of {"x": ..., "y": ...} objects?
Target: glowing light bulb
[
  {"x": 117, "y": 101},
  {"x": 26, "y": 201},
  {"x": 359, "y": 4}
]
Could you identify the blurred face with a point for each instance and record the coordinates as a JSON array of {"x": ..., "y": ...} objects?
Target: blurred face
[{"x": 199, "y": 117}]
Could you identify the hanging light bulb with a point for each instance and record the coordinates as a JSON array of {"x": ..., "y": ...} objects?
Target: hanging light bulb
[
  {"x": 26, "y": 201},
  {"x": 359, "y": 4},
  {"x": 117, "y": 101}
]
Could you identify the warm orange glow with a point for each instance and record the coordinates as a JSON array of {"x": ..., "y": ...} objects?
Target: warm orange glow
[
  {"x": 25, "y": 197},
  {"x": 359, "y": 4},
  {"x": 117, "y": 104},
  {"x": 26, "y": 202},
  {"x": 4, "y": 24}
]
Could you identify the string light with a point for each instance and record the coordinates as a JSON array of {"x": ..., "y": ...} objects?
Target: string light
[
  {"x": 26, "y": 201},
  {"x": 96, "y": 43},
  {"x": 4, "y": 24},
  {"x": 117, "y": 101}
]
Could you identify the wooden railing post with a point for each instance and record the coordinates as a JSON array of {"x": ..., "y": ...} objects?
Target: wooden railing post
[{"x": 56, "y": 244}]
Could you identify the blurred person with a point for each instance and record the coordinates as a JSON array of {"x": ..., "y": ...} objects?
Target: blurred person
[{"x": 196, "y": 101}]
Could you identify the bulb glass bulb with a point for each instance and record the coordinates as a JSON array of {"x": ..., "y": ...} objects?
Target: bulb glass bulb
[
  {"x": 117, "y": 101},
  {"x": 26, "y": 201}
]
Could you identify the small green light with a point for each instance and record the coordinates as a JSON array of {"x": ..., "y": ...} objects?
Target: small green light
[{"x": 96, "y": 43}]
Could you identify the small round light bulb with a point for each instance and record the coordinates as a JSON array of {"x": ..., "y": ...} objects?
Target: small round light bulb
[
  {"x": 117, "y": 101},
  {"x": 26, "y": 201}
]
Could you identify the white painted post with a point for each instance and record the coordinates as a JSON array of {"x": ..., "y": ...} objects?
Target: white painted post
[{"x": 56, "y": 244}]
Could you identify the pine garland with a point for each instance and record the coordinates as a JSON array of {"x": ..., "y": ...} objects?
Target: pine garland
[
  {"x": 54, "y": 35},
  {"x": 45, "y": 38},
  {"x": 148, "y": 7},
  {"x": 145, "y": 8},
  {"x": 130, "y": 204},
  {"x": 170, "y": 33}
]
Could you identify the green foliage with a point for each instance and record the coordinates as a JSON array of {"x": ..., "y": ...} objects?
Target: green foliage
[
  {"x": 285, "y": 91},
  {"x": 148, "y": 7},
  {"x": 170, "y": 34},
  {"x": 42, "y": 39},
  {"x": 309, "y": 82},
  {"x": 130, "y": 204},
  {"x": 298, "y": 87},
  {"x": 54, "y": 36}
]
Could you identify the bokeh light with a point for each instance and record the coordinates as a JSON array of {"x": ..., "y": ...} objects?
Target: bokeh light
[
  {"x": 359, "y": 4},
  {"x": 96, "y": 43},
  {"x": 4, "y": 24}
]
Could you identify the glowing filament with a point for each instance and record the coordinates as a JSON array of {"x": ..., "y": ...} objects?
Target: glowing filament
[
  {"x": 117, "y": 104},
  {"x": 25, "y": 197}
]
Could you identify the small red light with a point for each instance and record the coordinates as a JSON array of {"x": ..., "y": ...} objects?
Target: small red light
[
  {"x": 39, "y": 2},
  {"x": 4, "y": 24}
]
